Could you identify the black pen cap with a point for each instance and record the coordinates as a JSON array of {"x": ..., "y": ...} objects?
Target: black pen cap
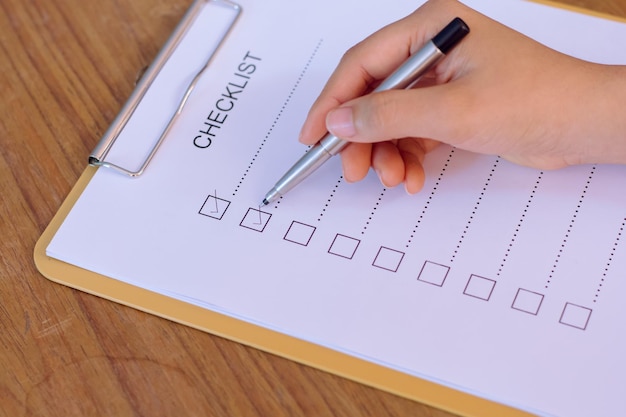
[{"x": 451, "y": 35}]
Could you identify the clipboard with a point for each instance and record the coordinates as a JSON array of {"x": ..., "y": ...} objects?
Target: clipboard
[{"x": 188, "y": 314}]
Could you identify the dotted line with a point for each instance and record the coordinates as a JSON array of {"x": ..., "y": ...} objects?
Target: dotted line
[
  {"x": 330, "y": 198},
  {"x": 521, "y": 221},
  {"x": 277, "y": 202},
  {"x": 610, "y": 261},
  {"x": 430, "y": 197},
  {"x": 569, "y": 228},
  {"x": 369, "y": 219},
  {"x": 278, "y": 116},
  {"x": 475, "y": 209}
]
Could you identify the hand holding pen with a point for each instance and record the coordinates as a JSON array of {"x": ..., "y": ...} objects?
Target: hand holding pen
[
  {"x": 497, "y": 92},
  {"x": 408, "y": 73}
]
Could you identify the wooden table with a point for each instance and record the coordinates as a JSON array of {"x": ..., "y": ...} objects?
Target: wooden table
[{"x": 66, "y": 67}]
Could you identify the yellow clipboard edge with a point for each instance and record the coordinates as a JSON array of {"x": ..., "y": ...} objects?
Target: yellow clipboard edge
[
  {"x": 270, "y": 341},
  {"x": 579, "y": 9}
]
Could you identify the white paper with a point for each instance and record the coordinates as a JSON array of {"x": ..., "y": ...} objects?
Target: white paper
[{"x": 501, "y": 281}]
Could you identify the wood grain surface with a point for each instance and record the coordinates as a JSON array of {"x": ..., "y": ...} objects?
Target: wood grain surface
[{"x": 66, "y": 68}]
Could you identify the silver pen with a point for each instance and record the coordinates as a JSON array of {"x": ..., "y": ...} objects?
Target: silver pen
[{"x": 404, "y": 77}]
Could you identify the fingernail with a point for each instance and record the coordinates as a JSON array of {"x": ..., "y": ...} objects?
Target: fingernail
[
  {"x": 302, "y": 132},
  {"x": 380, "y": 177},
  {"x": 339, "y": 122}
]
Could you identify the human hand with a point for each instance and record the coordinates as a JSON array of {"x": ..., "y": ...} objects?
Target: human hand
[{"x": 498, "y": 92}]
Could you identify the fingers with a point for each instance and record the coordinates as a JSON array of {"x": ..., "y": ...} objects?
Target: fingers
[
  {"x": 356, "y": 159},
  {"x": 413, "y": 153},
  {"x": 395, "y": 162},
  {"x": 388, "y": 163},
  {"x": 377, "y": 120},
  {"x": 374, "y": 59},
  {"x": 438, "y": 112},
  {"x": 358, "y": 69}
]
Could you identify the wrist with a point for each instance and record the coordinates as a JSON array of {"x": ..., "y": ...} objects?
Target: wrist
[{"x": 602, "y": 127}]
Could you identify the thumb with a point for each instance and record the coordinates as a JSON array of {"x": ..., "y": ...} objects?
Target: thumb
[{"x": 430, "y": 112}]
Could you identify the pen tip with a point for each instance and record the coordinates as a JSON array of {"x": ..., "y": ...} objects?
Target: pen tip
[{"x": 264, "y": 202}]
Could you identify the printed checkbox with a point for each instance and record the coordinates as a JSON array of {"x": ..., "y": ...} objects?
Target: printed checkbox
[
  {"x": 527, "y": 301},
  {"x": 344, "y": 246},
  {"x": 299, "y": 233},
  {"x": 575, "y": 316},
  {"x": 479, "y": 287},
  {"x": 214, "y": 207},
  {"x": 433, "y": 273},
  {"x": 255, "y": 219},
  {"x": 388, "y": 259}
]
